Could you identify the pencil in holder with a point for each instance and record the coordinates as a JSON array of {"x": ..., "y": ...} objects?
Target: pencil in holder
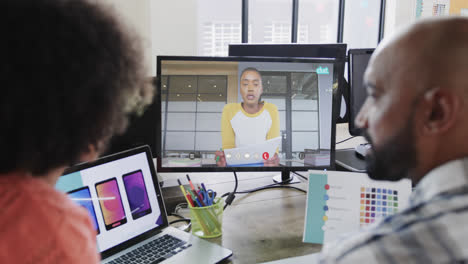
[{"x": 207, "y": 221}]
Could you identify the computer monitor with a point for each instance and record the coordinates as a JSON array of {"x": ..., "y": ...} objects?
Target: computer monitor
[
  {"x": 199, "y": 100},
  {"x": 334, "y": 50},
  {"x": 357, "y": 64}
]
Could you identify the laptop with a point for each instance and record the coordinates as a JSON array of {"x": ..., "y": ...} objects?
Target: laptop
[
  {"x": 252, "y": 155},
  {"x": 122, "y": 195}
]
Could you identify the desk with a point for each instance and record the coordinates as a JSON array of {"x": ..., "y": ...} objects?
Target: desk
[
  {"x": 266, "y": 225},
  {"x": 342, "y": 133},
  {"x": 345, "y": 156},
  {"x": 262, "y": 226}
]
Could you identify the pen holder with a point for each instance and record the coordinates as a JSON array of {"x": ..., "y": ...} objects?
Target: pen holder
[{"x": 207, "y": 221}]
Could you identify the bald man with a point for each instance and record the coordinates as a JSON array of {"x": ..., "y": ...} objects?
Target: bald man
[{"x": 416, "y": 117}]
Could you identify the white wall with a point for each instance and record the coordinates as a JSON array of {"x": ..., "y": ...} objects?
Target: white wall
[
  {"x": 173, "y": 28},
  {"x": 137, "y": 15}
]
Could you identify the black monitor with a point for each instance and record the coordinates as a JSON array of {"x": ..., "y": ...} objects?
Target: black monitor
[
  {"x": 335, "y": 50},
  {"x": 201, "y": 110},
  {"x": 357, "y": 64}
]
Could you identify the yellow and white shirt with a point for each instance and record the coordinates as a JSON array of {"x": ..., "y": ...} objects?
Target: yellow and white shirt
[{"x": 239, "y": 128}]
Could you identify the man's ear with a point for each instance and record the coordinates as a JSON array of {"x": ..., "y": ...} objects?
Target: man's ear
[
  {"x": 441, "y": 107},
  {"x": 90, "y": 155}
]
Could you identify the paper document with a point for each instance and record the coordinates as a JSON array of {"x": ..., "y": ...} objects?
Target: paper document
[
  {"x": 252, "y": 154},
  {"x": 342, "y": 202}
]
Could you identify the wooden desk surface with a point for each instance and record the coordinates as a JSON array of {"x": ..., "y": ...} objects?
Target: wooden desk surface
[{"x": 261, "y": 226}]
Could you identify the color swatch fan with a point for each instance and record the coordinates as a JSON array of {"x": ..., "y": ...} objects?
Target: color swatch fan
[{"x": 342, "y": 202}]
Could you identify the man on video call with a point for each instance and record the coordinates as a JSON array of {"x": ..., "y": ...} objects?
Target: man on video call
[
  {"x": 251, "y": 122},
  {"x": 415, "y": 116}
]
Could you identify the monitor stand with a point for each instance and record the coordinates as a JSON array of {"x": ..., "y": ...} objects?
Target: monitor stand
[{"x": 285, "y": 177}]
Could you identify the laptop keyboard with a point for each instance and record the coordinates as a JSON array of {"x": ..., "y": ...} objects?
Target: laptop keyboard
[{"x": 155, "y": 251}]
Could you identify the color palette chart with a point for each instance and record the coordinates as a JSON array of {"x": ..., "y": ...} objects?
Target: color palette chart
[
  {"x": 377, "y": 203},
  {"x": 343, "y": 202}
]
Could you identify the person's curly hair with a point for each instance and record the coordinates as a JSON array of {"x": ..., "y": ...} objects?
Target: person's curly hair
[{"x": 70, "y": 72}]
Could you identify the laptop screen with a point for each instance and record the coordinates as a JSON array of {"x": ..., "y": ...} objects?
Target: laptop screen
[{"x": 119, "y": 194}]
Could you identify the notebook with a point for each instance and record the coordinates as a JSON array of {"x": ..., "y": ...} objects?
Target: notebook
[
  {"x": 253, "y": 155},
  {"x": 122, "y": 195}
]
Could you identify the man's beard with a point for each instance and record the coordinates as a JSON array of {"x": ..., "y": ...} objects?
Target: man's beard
[{"x": 394, "y": 159}]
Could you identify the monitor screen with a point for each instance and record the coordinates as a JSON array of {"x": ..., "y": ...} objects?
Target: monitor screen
[
  {"x": 260, "y": 113},
  {"x": 358, "y": 60},
  {"x": 333, "y": 50},
  {"x": 119, "y": 194}
]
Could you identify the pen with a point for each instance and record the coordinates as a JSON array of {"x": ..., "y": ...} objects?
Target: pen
[
  {"x": 189, "y": 200},
  {"x": 181, "y": 187},
  {"x": 186, "y": 195},
  {"x": 200, "y": 199},
  {"x": 194, "y": 198},
  {"x": 203, "y": 186},
  {"x": 191, "y": 184}
]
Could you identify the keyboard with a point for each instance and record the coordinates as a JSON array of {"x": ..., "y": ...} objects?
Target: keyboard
[{"x": 155, "y": 251}]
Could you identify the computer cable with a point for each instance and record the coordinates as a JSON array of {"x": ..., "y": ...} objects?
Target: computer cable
[
  {"x": 269, "y": 186},
  {"x": 186, "y": 227},
  {"x": 273, "y": 187},
  {"x": 231, "y": 195},
  {"x": 300, "y": 175},
  {"x": 176, "y": 215},
  {"x": 253, "y": 190},
  {"x": 344, "y": 140},
  {"x": 180, "y": 220}
]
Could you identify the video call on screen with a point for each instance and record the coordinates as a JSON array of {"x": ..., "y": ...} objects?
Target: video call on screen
[{"x": 194, "y": 93}]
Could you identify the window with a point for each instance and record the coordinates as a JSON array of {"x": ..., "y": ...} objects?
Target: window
[
  {"x": 361, "y": 16},
  {"x": 194, "y": 27},
  {"x": 318, "y": 21},
  {"x": 277, "y": 32},
  {"x": 219, "y": 24},
  {"x": 270, "y": 21},
  {"x": 218, "y": 36}
]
